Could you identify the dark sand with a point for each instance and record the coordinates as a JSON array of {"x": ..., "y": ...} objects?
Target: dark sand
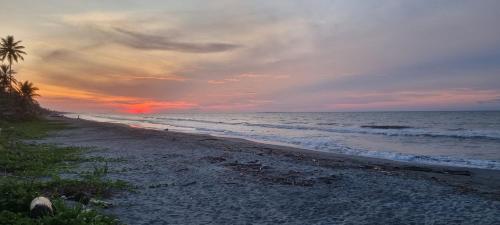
[{"x": 200, "y": 179}]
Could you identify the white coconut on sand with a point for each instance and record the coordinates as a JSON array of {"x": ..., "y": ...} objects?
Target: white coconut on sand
[{"x": 41, "y": 206}]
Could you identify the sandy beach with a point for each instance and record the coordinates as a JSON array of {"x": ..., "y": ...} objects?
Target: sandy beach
[
  {"x": 200, "y": 179},
  {"x": 258, "y": 112}
]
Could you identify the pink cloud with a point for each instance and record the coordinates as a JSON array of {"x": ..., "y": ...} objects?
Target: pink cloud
[{"x": 244, "y": 76}]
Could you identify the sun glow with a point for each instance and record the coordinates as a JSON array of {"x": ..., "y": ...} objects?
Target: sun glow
[{"x": 151, "y": 107}]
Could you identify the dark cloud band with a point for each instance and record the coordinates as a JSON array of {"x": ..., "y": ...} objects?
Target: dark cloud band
[{"x": 155, "y": 42}]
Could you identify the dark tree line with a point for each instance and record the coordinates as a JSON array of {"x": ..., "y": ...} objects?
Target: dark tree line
[{"x": 17, "y": 99}]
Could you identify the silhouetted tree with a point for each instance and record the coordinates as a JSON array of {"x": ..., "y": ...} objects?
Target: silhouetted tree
[
  {"x": 7, "y": 78},
  {"x": 27, "y": 91},
  {"x": 4, "y": 78},
  {"x": 11, "y": 51},
  {"x": 17, "y": 100}
]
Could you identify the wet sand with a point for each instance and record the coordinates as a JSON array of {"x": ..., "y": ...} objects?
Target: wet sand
[{"x": 200, "y": 179}]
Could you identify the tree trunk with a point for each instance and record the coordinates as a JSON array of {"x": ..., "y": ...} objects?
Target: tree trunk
[{"x": 10, "y": 77}]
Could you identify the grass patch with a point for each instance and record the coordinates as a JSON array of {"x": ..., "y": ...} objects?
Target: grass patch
[
  {"x": 32, "y": 129},
  {"x": 37, "y": 160},
  {"x": 31, "y": 170},
  {"x": 64, "y": 215}
]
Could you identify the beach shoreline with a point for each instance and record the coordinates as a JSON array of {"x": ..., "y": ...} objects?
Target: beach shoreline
[
  {"x": 168, "y": 165},
  {"x": 451, "y": 139}
]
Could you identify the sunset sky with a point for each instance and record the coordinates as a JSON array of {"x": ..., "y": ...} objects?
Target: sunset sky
[{"x": 237, "y": 56}]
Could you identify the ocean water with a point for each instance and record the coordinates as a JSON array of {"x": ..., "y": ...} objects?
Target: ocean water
[{"x": 467, "y": 139}]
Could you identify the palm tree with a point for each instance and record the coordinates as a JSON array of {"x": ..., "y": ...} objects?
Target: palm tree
[
  {"x": 4, "y": 78},
  {"x": 26, "y": 104},
  {"x": 7, "y": 80},
  {"x": 12, "y": 51},
  {"x": 28, "y": 91}
]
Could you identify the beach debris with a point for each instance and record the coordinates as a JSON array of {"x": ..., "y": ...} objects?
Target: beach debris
[
  {"x": 81, "y": 196},
  {"x": 180, "y": 170},
  {"x": 432, "y": 170},
  {"x": 418, "y": 168},
  {"x": 160, "y": 185},
  {"x": 267, "y": 174},
  {"x": 458, "y": 172},
  {"x": 41, "y": 206},
  {"x": 290, "y": 181},
  {"x": 209, "y": 139},
  {"x": 328, "y": 179},
  {"x": 292, "y": 177},
  {"x": 390, "y": 170},
  {"x": 100, "y": 203},
  {"x": 214, "y": 159},
  {"x": 247, "y": 167},
  {"x": 78, "y": 192},
  {"x": 464, "y": 189},
  {"x": 171, "y": 156},
  {"x": 188, "y": 184},
  {"x": 382, "y": 169}
]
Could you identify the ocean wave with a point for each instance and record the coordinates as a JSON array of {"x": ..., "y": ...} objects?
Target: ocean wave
[
  {"x": 326, "y": 142},
  {"x": 456, "y": 134},
  {"x": 387, "y": 130},
  {"x": 327, "y": 124},
  {"x": 431, "y": 160},
  {"x": 386, "y": 127},
  {"x": 396, "y": 131}
]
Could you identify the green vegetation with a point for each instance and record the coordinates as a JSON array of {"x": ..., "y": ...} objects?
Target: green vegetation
[
  {"x": 30, "y": 170},
  {"x": 17, "y": 99}
]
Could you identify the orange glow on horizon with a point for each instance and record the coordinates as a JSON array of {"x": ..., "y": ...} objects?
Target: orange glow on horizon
[
  {"x": 138, "y": 109},
  {"x": 54, "y": 95},
  {"x": 151, "y": 107}
]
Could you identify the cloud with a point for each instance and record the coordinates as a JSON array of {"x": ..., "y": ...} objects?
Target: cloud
[
  {"x": 121, "y": 28},
  {"x": 155, "y": 42},
  {"x": 224, "y": 81},
  {"x": 217, "y": 81},
  {"x": 247, "y": 76},
  {"x": 123, "y": 85},
  {"x": 168, "y": 77},
  {"x": 251, "y": 75},
  {"x": 490, "y": 101},
  {"x": 474, "y": 71},
  {"x": 110, "y": 103},
  {"x": 444, "y": 99},
  {"x": 295, "y": 55},
  {"x": 104, "y": 73},
  {"x": 79, "y": 62},
  {"x": 236, "y": 105}
]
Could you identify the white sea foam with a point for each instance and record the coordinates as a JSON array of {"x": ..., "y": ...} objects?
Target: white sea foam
[{"x": 319, "y": 134}]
